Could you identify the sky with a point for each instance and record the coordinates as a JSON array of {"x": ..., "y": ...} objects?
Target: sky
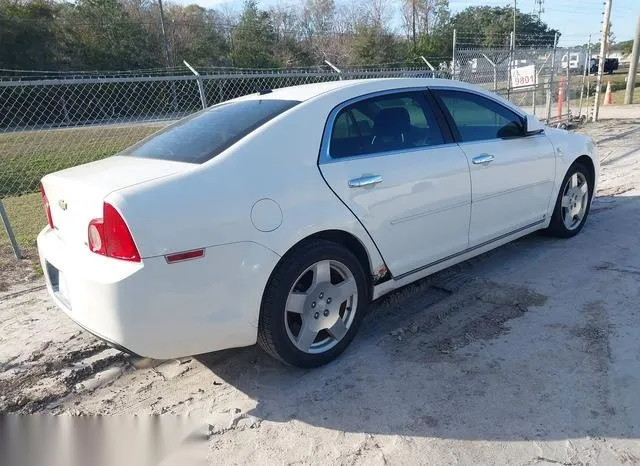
[{"x": 575, "y": 19}]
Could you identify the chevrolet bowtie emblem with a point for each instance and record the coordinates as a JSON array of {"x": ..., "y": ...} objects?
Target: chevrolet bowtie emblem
[{"x": 62, "y": 203}]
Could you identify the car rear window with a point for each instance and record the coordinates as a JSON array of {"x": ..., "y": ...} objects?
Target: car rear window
[{"x": 203, "y": 135}]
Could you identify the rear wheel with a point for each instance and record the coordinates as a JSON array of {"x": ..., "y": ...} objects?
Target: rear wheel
[
  {"x": 313, "y": 304},
  {"x": 572, "y": 206}
]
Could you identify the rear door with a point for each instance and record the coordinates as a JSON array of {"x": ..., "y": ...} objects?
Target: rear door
[
  {"x": 512, "y": 174},
  {"x": 388, "y": 160}
]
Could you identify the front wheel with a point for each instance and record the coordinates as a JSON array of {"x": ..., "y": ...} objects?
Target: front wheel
[
  {"x": 573, "y": 203},
  {"x": 313, "y": 304}
]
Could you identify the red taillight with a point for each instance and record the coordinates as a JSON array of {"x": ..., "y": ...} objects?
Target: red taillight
[
  {"x": 45, "y": 201},
  {"x": 110, "y": 236}
]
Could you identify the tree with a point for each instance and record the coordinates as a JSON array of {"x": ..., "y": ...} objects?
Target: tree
[
  {"x": 486, "y": 26},
  {"x": 196, "y": 35},
  {"x": 422, "y": 17},
  {"x": 318, "y": 17},
  {"x": 373, "y": 42},
  {"x": 106, "y": 38},
  {"x": 438, "y": 44},
  {"x": 126, "y": 34},
  {"x": 291, "y": 48},
  {"x": 28, "y": 35},
  {"x": 372, "y": 45},
  {"x": 626, "y": 46},
  {"x": 253, "y": 39}
]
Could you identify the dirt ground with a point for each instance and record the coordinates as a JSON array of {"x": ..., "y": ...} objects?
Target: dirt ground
[{"x": 529, "y": 354}]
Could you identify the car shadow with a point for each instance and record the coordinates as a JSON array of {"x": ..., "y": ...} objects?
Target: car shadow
[{"x": 489, "y": 349}]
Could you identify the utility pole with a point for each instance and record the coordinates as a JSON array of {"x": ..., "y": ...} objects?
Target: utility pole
[
  {"x": 603, "y": 54},
  {"x": 540, "y": 4},
  {"x": 633, "y": 67},
  {"x": 164, "y": 35}
]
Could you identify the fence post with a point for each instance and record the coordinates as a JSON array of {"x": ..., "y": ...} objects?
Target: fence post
[
  {"x": 203, "y": 97},
  {"x": 7, "y": 227},
  {"x": 535, "y": 88},
  {"x": 587, "y": 59},
  {"x": 335, "y": 68},
  {"x": 551, "y": 75},
  {"x": 453, "y": 56},
  {"x": 567, "y": 92},
  {"x": 511, "y": 63}
]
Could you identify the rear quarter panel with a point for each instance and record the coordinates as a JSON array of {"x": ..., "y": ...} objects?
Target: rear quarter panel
[{"x": 212, "y": 205}]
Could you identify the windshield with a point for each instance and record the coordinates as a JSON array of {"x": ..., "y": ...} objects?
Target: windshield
[{"x": 203, "y": 135}]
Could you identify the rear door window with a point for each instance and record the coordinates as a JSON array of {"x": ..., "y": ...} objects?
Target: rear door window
[
  {"x": 203, "y": 135},
  {"x": 391, "y": 122}
]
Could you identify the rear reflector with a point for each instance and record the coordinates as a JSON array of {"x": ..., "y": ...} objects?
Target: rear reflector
[
  {"x": 47, "y": 208},
  {"x": 110, "y": 236},
  {"x": 184, "y": 256}
]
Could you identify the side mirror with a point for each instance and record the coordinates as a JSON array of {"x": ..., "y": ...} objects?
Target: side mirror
[{"x": 533, "y": 125}]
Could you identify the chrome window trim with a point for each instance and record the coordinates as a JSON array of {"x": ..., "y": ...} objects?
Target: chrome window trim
[{"x": 325, "y": 155}]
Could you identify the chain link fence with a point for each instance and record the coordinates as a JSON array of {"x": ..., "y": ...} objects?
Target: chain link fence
[
  {"x": 540, "y": 77},
  {"x": 49, "y": 122}
]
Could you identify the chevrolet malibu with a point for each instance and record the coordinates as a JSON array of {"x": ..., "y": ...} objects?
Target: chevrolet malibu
[{"x": 279, "y": 216}]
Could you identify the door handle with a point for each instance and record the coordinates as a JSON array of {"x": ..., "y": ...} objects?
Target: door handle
[
  {"x": 365, "y": 181},
  {"x": 483, "y": 159}
]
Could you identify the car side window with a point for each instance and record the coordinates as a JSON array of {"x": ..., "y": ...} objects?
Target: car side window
[
  {"x": 478, "y": 118},
  {"x": 390, "y": 122}
]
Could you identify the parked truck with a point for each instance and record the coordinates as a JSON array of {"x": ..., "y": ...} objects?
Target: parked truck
[
  {"x": 610, "y": 65},
  {"x": 574, "y": 60}
]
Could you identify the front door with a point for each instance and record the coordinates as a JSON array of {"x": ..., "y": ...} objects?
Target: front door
[
  {"x": 388, "y": 161},
  {"x": 512, "y": 174}
]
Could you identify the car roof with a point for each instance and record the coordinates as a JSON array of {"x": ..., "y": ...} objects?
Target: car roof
[{"x": 358, "y": 86}]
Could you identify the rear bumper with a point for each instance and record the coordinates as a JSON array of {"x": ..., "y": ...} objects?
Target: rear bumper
[{"x": 155, "y": 309}]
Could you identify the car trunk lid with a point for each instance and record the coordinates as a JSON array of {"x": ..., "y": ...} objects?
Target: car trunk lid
[{"x": 76, "y": 195}]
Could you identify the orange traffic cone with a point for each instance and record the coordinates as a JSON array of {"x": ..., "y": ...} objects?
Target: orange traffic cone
[{"x": 607, "y": 95}]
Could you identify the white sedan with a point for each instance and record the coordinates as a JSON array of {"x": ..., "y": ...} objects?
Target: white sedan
[{"x": 279, "y": 216}]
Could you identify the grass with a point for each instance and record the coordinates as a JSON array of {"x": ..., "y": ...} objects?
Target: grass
[
  {"x": 617, "y": 97},
  {"x": 27, "y": 218},
  {"x": 26, "y": 156}
]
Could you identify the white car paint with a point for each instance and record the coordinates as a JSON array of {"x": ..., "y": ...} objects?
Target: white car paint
[
  {"x": 410, "y": 207},
  {"x": 248, "y": 206},
  {"x": 514, "y": 190}
]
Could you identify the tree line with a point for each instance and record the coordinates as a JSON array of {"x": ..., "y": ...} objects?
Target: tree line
[{"x": 128, "y": 34}]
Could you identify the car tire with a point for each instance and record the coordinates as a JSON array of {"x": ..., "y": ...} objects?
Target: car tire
[
  {"x": 573, "y": 203},
  {"x": 299, "y": 300}
]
